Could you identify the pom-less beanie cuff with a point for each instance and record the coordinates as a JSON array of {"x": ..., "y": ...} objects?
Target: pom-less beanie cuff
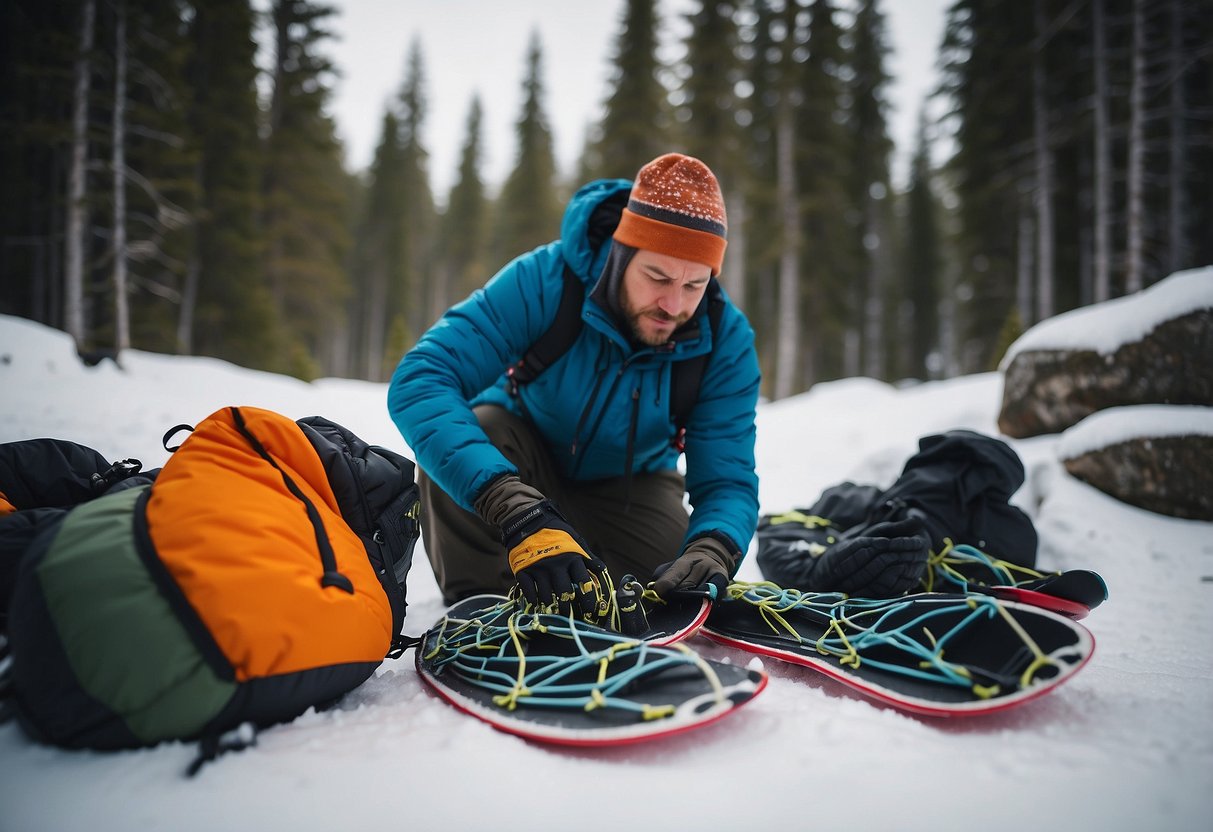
[
  {"x": 666, "y": 238},
  {"x": 676, "y": 209}
]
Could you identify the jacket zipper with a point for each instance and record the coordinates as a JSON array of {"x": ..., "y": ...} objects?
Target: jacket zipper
[
  {"x": 631, "y": 454},
  {"x": 602, "y": 412},
  {"x": 599, "y": 369}
]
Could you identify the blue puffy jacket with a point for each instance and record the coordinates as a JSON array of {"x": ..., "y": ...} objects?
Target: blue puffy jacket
[{"x": 592, "y": 401}]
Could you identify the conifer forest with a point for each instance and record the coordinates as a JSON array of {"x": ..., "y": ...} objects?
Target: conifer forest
[{"x": 163, "y": 191}]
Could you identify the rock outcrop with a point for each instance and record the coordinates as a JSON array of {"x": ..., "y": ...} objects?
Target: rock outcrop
[
  {"x": 1129, "y": 385},
  {"x": 1047, "y": 391}
]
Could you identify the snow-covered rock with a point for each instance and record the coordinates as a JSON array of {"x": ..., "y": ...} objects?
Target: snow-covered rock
[
  {"x": 1152, "y": 347},
  {"x": 1156, "y": 457}
]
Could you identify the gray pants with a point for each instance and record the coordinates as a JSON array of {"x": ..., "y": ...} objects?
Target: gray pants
[{"x": 628, "y": 535}]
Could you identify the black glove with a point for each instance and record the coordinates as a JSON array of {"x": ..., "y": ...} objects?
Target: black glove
[
  {"x": 550, "y": 560},
  {"x": 882, "y": 560},
  {"x": 704, "y": 566}
]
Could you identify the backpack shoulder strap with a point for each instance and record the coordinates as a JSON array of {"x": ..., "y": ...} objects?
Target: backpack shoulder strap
[
  {"x": 685, "y": 376},
  {"x": 556, "y": 339}
]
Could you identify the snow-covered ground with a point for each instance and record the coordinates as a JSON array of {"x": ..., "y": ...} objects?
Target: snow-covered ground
[{"x": 1127, "y": 744}]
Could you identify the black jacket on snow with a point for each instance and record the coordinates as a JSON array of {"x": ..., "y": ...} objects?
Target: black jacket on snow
[{"x": 957, "y": 487}]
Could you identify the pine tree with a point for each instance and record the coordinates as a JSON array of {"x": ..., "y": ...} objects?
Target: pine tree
[
  {"x": 1102, "y": 173},
  {"x": 118, "y": 240},
  {"x": 305, "y": 211},
  {"x": 983, "y": 59},
  {"x": 528, "y": 212},
  {"x": 233, "y": 316},
  {"x": 465, "y": 225},
  {"x": 378, "y": 254},
  {"x": 637, "y": 126},
  {"x": 75, "y": 228},
  {"x": 1196, "y": 218},
  {"x": 788, "y": 359},
  {"x": 870, "y": 185},
  {"x": 161, "y": 160},
  {"x": 38, "y": 44},
  {"x": 414, "y": 299},
  {"x": 707, "y": 120},
  {"x": 923, "y": 266},
  {"x": 823, "y": 167},
  {"x": 761, "y": 58},
  {"x": 1068, "y": 175}
]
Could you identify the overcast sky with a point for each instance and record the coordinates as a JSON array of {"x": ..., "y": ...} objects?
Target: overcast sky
[{"x": 479, "y": 46}]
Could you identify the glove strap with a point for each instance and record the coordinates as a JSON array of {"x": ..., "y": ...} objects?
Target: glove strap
[
  {"x": 544, "y": 543},
  {"x": 538, "y": 532}
]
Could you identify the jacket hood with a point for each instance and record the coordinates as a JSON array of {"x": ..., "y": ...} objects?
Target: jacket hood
[{"x": 589, "y": 220}]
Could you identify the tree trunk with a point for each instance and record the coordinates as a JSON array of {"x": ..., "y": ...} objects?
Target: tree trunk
[
  {"x": 189, "y": 301},
  {"x": 852, "y": 343},
  {"x": 1177, "y": 218},
  {"x": 789, "y": 273},
  {"x": 73, "y": 290},
  {"x": 375, "y": 320},
  {"x": 873, "y": 305},
  {"x": 439, "y": 289},
  {"x": 1102, "y": 286},
  {"x": 1044, "y": 174},
  {"x": 274, "y": 255},
  {"x": 193, "y": 272},
  {"x": 1134, "y": 280},
  {"x": 948, "y": 348},
  {"x": 734, "y": 276},
  {"x": 1024, "y": 265},
  {"x": 122, "y": 322}
]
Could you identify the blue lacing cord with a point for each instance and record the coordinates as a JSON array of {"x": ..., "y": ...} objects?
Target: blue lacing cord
[
  {"x": 947, "y": 569},
  {"x": 856, "y": 628},
  {"x": 489, "y": 651}
]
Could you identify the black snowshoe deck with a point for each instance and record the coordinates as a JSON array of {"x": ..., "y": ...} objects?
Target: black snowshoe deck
[
  {"x": 933, "y": 654},
  {"x": 556, "y": 679}
]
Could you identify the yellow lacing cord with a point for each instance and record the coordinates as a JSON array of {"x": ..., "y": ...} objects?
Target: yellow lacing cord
[
  {"x": 651, "y": 596},
  {"x": 848, "y": 656},
  {"x": 980, "y": 691},
  {"x": 943, "y": 563},
  {"x": 1040, "y": 660},
  {"x": 1014, "y": 567},
  {"x": 935, "y": 561},
  {"x": 737, "y": 591},
  {"x": 811, "y": 521},
  {"x": 522, "y": 618},
  {"x": 597, "y": 700},
  {"x": 768, "y": 607},
  {"x": 510, "y": 700},
  {"x": 438, "y": 640},
  {"x": 648, "y": 712},
  {"x": 772, "y": 613},
  {"x": 616, "y": 613},
  {"x": 606, "y": 605}
]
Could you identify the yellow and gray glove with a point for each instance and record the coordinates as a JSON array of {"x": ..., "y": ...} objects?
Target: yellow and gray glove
[{"x": 547, "y": 556}]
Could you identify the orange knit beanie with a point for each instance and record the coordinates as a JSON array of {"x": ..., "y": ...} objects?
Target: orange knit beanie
[{"x": 676, "y": 209}]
